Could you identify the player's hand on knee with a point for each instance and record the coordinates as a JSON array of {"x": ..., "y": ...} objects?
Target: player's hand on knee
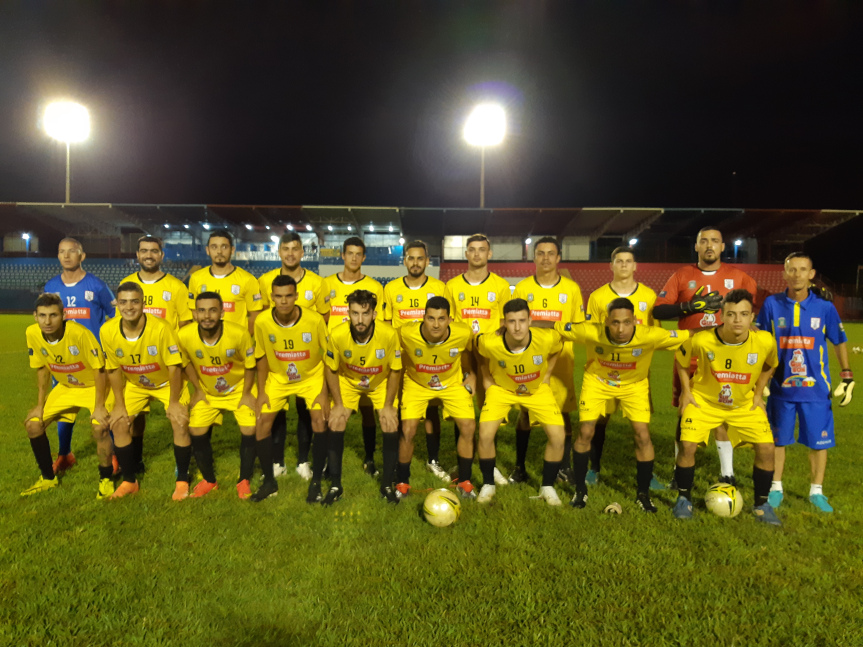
[
  {"x": 118, "y": 418},
  {"x": 389, "y": 419},
  {"x": 199, "y": 396},
  {"x": 685, "y": 400},
  {"x": 35, "y": 412},
  {"x": 262, "y": 401},
  {"x": 845, "y": 389},
  {"x": 177, "y": 413},
  {"x": 100, "y": 415}
]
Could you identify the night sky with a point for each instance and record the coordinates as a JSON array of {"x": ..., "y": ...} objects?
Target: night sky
[{"x": 362, "y": 103}]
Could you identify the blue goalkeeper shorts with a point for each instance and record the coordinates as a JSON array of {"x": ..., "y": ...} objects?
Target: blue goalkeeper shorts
[{"x": 816, "y": 423}]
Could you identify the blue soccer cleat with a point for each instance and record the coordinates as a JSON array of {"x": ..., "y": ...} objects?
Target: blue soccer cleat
[
  {"x": 775, "y": 498},
  {"x": 656, "y": 484},
  {"x": 592, "y": 478},
  {"x": 682, "y": 509},
  {"x": 820, "y": 502},
  {"x": 765, "y": 513}
]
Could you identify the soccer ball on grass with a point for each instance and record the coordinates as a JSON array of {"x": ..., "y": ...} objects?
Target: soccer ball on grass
[
  {"x": 441, "y": 508},
  {"x": 724, "y": 500}
]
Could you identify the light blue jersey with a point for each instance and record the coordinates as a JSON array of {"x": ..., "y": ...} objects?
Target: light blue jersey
[{"x": 88, "y": 301}]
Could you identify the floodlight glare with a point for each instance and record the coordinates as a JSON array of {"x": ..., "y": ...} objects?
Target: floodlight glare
[
  {"x": 249, "y": 227},
  {"x": 166, "y": 226},
  {"x": 371, "y": 227},
  {"x": 185, "y": 226},
  {"x": 308, "y": 227},
  {"x": 391, "y": 227},
  {"x": 738, "y": 243},
  {"x": 206, "y": 226},
  {"x": 486, "y": 125},
  {"x": 527, "y": 241},
  {"x": 25, "y": 236},
  {"x": 275, "y": 239},
  {"x": 350, "y": 228},
  {"x": 633, "y": 242},
  {"x": 329, "y": 227},
  {"x": 401, "y": 241},
  {"x": 290, "y": 227},
  {"x": 67, "y": 122}
]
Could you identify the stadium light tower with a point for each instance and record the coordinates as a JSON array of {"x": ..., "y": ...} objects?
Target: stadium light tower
[
  {"x": 67, "y": 122},
  {"x": 486, "y": 126}
]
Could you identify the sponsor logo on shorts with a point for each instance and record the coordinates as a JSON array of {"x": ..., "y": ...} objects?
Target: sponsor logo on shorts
[{"x": 797, "y": 381}]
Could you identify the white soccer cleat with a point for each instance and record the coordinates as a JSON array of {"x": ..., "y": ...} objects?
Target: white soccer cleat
[
  {"x": 548, "y": 494},
  {"x": 486, "y": 494},
  {"x": 500, "y": 479},
  {"x": 304, "y": 470},
  {"x": 279, "y": 470},
  {"x": 435, "y": 468}
]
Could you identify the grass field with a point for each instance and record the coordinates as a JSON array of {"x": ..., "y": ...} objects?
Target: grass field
[{"x": 148, "y": 571}]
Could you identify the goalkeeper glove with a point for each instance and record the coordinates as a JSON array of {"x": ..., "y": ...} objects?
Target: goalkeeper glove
[
  {"x": 845, "y": 389},
  {"x": 821, "y": 293},
  {"x": 710, "y": 302}
]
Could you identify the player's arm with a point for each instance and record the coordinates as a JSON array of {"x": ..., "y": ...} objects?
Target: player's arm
[
  {"x": 117, "y": 383},
  {"x": 552, "y": 360},
  {"x": 175, "y": 411},
  {"x": 468, "y": 370},
  {"x": 192, "y": 376},
  {"x": 681, "y": 365},
  {"x": 251, "y": 321},
  {"x": 482, "y": 360},
  {"x": 338, "y": 414},
  {"x": 388, "y": 303},
  {"x": 671, "y": 339},
  {"x": 107, "y": 302},
  {"x": 388, "y": 415},
  {"x": 43, "y": 385},
  {"x": 761, "y": 384},
  {"x": 846, "y": 387},
  {"x": 100, "y": 413},
  {"x": 262, "y": 370},
  {"x": 568, "y": 331}
]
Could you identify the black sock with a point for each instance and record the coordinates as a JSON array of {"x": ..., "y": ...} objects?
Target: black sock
[
  {"x": 304, "y": 432},
  {"x": 433, "y": 446},
  {"x": 761, "y": 481},
  {"x": 464, "y": 468},
  {"x": 486, "y": 467},
  {"x": 334, "y": 462},
  {"x": 203, "y": 450},
  {"x": 106, "y": 472},
  {"x": 319, "y": 454},
  {"x": 247, "y": 457},
  {"x": 391, "y": 458},
  {"x": 685, "y": 477},
  {"x": 126, "y": 459},
  {"x": 369, "y": 436},
  {"x": 596, "y": 444},
  {"x": 210, "y": 432},
  {"x": 279, "y": 433},
  {"x": 264, "y": 449},
  {"x": 183, "y": 456},
  {"x": 579, "y": 468},
  {"x": 42, "y": 451},
  {"x": 643, "y": 475},
  {"x": 138, "y": 449},
  {"x": 567, "y": 451},
  {"x": 403, "y": 472},
  {"x": 549, "y": 472},
  {"x": 522, "y": 440}
]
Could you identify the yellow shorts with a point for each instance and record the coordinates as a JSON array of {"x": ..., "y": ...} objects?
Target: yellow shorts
[
  {"x": 562, "y": 379},
  {"x": 204, "y": 415},
  {"x": 279, "y": 393},
  {"x": 745, "y": 427},
  {"x": 597, "y": 398},
  {"x": 541, "y": 405},
  {"x": 351, "y": 395},
  {"x": 137, "y": 398},
  {"x": 64, "y": 402},
  {"x": 457, "y": 402}
]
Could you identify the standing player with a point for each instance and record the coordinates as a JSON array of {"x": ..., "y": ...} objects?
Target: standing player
[
  {"x": 801, "y": 324},
  {"x": 87, "y": 300},
  {"x": 290, "y": 342},
  {"x": 520, "y": 364},
  {"x": 71, "y": 354},
  {"x": 309, "y": 290},
  {"x": 726, "y": 390},
  {"x": 693, "y": 296},
  {"x": 363, "y": 359},
  {"x": 405, "y": 301},
  {"x": 436, "y": 354},
  {"x": 221, "y": 367},
  {"x": 552, "y": 298},
  {"x": 337, "y": 288},
  {"x": 144, "y": 364},
  {"x": 619, "y": 352},
  {"x": 623, "y": 284}
]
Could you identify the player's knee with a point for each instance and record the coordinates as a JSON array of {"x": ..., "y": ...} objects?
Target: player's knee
[
  {"x": 34, "y": 428},
  {"x": 99, "y": 433},
  {"x": 467, "y": 429}
]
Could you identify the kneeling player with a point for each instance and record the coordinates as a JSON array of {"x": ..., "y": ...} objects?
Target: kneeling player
[
  {"x": 435, "y": 351},
  {"x": 619, "y": 355},
  {"x": 290, "y": 342},
  {"x": 520, "y": 363},
  {"x": 70, "y": 353},
  {"x": 222, "y": 369},
  {"x": 363, "y": 358},
  {"x": 726, "y": 389}
]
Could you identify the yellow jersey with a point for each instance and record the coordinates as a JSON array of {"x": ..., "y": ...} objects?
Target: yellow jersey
[
  {"x": 480, "y": 306},
  {"x": 144, "y": 361},
  {"x": 239, "y": 290},
  {"x": 366, "y": 366},
  {"x": 403, "y": 303},
  {"x": 643, "y": 299},
  {"x": 166, "y": 298},
  {"x": 220, "y": 366},
  {"x": 726, "y": 373},
  {"x": 294, "y": 353},
  {"x": 336, "y": 294},
  {"x": 72, "y": 360},
  {"x": 560, "y": 302},
  {"x": 310, "y": 290},
  {"x": 523, "y": 372},
  {"x": 434, "y": 365},
  {"x": 620, "y": 364}
]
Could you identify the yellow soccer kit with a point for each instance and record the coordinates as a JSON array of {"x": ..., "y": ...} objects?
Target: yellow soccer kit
[
  {"x": 336, "y": 294},
  {"x": 642, "y": 299},
  {"x": 166, "y": 298},
  {"x": 363, "y": 369},
  {"x": 480, "y": 306},
  {"x": 434, "y": 371},
  {"x": 724, "y": 384},
  {"x": 295, "y": 356},
  {"x": 310, "y": 290},
  {"x": 239, "y": 290},
  {"x": 403, "y": 304}
]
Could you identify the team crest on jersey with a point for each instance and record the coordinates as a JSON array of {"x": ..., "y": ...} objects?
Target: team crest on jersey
[
  {"x": 95, "y": 352},
  {"x": 88, "y": 295},
  {"x": 73, "y": 350},
  {"x": 309, "y": 295},
  {"x": 461, "y": 296},
  {"x": 45, "y": 352},
  {"x": 166, "y": 296},
  {"x": 118, "y": 352},
  {"x": 230, "y": 352},
  {"x": 662, "y": 294},
  {"x": 199, "y": 354},
  {"x": 204, "y": 288},
  {"x": 152, "y": 350},
  {"x": 599, "y": 350},
  {"x": 235, "y": 290},
  {"x": 380, "y": 353},
  {"x": 399, "y": 298},
  {"x": 636, "y": 352},
  {"x": 332, "y": 294},
  {"x": 418, "y": 352},
  {"x": 173, "y": 350},
  {"x": 491, "y": 297},
  {"x": 729, "y": 284},
  {"x": 307, "y": 337},
  {"x": 530, "y": 298},
  {"x": 348, "y": 354},
  {"x": 500, "y": 363},
  {"x": 430, "y": 295},
  {"x": 751, "y": 358},
  {"x": 710, "y": 356},
  {"x": 537, "y": 360},
  {"x": 642, "y": 305},
  {"x": 568, "y": 326},
  {"x": 398, "y": 353},
  {"x": 672, "y": 333},
  {"x": 815, "y": 323},
  {"x": 782, "y": 322},
  {"x": 561, "y": 298},
  {"x": 453, "y": 352},
  {"x": 272, "y": 339},
  {"x": 692, "y": 285}
]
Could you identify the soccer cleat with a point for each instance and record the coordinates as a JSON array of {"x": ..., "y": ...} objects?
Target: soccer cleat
[
  {"x": 370, "y": 468},
  {"x": 518, "y": 475},
  {"x": 314, "y": 495},
  {"x": 644, "y": 502},
  {"x": 64, "y": 462},
  {"x": 181, "y": 491},
  {"x": 579, "y": 499},
  {"x": 41, "y": 485},
  {"x": 125, "y": 489},
  {"x": 435, "y": 468},
  {"x": 682, "y": 508},
  {"x": 466, "y": 490},
  {"x": 333, "y": 495},
  {"x": 656, "y": 484},
  {"x": 592, "y": 478},
  {"x": 106, "y": 489},
  {"x": 499, "y": 479},
  {"x": 775, "y": 498},
  {"x": 268, "y": 488},
  {"x": 203, "y": 488},
  {"x": 403, "y": 490},
  {"x": 730, "y": 480},
  {"x": 819, "y": 501},
  {"x": 389, "y": 494},
  {"x": 279, "y": 470},
  {"x": 765, "y": 513},
  {"x": 486, "y": 493},
  {"x": 305, "y": 471},
  {"x": 566, "y": 476},
  {"x": 115, "y": 465},
  {"x": 244, "y": 490},
  {"x": 548, "y": 494}
]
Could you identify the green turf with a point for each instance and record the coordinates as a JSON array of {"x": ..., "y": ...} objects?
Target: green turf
[{"x": 148, "y": 571}]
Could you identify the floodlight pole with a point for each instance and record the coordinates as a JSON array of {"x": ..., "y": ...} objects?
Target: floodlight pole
[
  {"x": 482, "y": 177},
  {"x": 68, "y": 183}
]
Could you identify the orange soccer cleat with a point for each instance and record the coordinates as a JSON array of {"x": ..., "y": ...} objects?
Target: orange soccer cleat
[
  {"x": 202, "y": 488},
  {"x": 64, "y": 462},
  {"x": 181, "y": 491},
  {"x": 243, "y": 489},
  {"x": 124, "y": 489}
]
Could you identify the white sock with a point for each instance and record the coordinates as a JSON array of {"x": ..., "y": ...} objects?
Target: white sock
[
  {"x": 726, "y": 457},
  {"x": 815, "y": 489},
  {"x": 776, "y": 486}
]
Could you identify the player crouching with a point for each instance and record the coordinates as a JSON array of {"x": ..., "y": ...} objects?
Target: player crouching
[
  {"x": 520, "y": 363},
  {"x": 726, "y": 390}
]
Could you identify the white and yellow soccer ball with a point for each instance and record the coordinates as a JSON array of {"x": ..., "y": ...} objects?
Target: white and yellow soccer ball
[
  {"x": 724, "y": 500},
  {"x": 441, "y": 508}
]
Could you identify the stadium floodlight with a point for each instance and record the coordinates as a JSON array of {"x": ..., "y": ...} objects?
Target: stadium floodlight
[
  {"x": 371, "y": 227},
  {"x": 329, "y": 227},
  {"x": 166, "y": 226},
  {"x": 401, "y": 241},
  {"x": 350, "y": 228},
  {"x": 207, "y": 226},
  {"x": 486, "y": 126},
  {"x": 25, "y": 236},
  {"x": 308, "y": 227},
  {"x": 633, "y": 242},
  {"x": 267, "y": 227},
  {"x": 185, "y": 226},
  {"x": 527, "y": 241},
  {"x": 275, "y": 239},
  {"x": 290, "y": 227},
  {"x": 738, "y": 243},
  {"x": 67, "y": 122},
  {"x": 249, "y": 227},
  {"x": 391, "y": 228}
]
